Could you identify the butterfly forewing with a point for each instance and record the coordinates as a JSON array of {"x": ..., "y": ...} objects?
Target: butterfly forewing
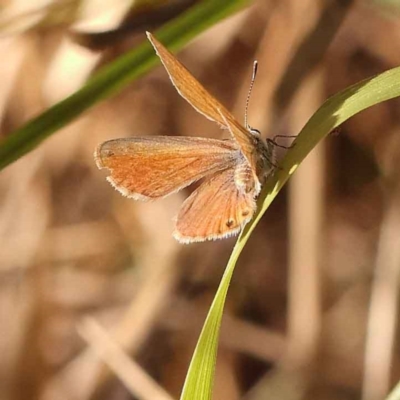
[
  {"x": 217, "y": 209},
  {"x": 151, "y": 167},
  {"x": 194, "y": 92},
  {"x": 187, "y": 86}
]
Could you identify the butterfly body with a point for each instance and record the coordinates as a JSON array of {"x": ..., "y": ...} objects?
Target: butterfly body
[
  {"x": 266, "y": 158},
  {"x": 232, "y": 170}
]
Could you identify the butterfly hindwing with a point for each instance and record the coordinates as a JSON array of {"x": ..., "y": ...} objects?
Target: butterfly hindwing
[{"x": 217, "y": 209}]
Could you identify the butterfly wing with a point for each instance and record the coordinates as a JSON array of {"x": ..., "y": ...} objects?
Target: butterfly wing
[
  {"x": 194, "y": 92},
  {"x": 146, "y": 168},
  {"x": 217, "y": 209}
]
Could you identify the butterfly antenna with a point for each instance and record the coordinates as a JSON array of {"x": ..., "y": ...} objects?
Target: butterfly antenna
[{"x": 253, "y": 78}]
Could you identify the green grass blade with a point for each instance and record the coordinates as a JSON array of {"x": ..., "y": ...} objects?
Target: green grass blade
[
  {"x": 395, "y": 393},
  {"x": 336, "y": 110},
  {"x": 113, "y": 77}
]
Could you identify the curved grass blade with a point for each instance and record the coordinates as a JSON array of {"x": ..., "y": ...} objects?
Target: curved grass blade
[
  {"x": 395, "y": 393},
  {"x": 113, "y": 77},
  {"x": 336, "y": 110}
]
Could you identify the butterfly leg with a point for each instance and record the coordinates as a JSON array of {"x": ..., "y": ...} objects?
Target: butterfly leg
[{"x": 274, "y": 142}]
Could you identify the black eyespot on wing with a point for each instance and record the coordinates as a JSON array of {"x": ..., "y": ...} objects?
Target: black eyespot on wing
[{"x": 230, "y": 223}]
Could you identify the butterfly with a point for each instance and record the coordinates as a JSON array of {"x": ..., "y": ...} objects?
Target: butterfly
[{"x": 233, "y": 170}]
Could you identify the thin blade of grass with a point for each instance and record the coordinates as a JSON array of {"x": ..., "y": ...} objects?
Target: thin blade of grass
[
  {"x": 395, "y": 393},
  {"x": 115, "y": 76},
  {"x": 335, "y": 110}
]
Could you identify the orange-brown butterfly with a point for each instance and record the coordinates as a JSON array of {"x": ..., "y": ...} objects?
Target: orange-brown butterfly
[{"x": 147, "y": 168}]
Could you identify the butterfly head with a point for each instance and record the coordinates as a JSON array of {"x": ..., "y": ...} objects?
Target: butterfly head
[{"x": 255, "y": 132}]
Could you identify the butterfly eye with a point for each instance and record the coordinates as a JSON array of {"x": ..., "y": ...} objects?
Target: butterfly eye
[{"x": 254, "y": 131}]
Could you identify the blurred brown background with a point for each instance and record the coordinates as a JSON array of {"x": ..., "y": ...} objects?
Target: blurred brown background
[{"x": 313, "y": 307}]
